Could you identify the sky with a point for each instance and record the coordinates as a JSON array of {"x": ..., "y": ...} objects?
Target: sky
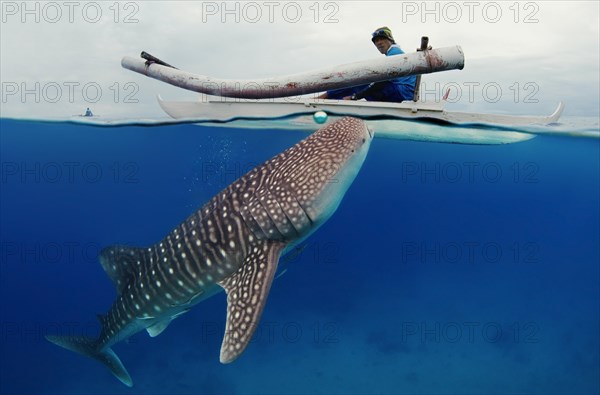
[{"x": 57, "y": 58}]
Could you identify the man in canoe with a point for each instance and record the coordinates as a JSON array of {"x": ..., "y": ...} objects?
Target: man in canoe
[{"x": 395, "y": 90}]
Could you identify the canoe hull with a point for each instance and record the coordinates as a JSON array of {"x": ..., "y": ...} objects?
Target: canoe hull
[
  {"x": 279, "y": 114},
  {"x": 222, "y": 109}
]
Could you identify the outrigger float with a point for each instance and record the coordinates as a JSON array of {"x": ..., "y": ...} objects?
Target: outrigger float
[{"x": 255, "y": 102}]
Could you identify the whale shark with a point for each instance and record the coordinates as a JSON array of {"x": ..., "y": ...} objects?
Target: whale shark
[{"x": 232, "y": 243}]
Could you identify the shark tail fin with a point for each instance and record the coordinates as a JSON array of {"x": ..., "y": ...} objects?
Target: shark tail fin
[{"x": 87, "y": 346}]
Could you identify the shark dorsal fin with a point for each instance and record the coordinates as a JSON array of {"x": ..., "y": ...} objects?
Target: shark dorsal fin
[
  {"x": 121, "y": 263},
  {"x": 247, "y": 292}
]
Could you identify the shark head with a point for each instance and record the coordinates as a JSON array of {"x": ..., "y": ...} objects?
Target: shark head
[
  {"x": 320, "y": 169},
  {"x": 346, "y": 144}
]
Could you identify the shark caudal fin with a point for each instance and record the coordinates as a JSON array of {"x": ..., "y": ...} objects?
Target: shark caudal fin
[{"x": 87, "y": 346}]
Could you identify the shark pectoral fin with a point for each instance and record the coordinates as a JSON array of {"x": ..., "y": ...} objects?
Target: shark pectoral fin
[
  {"x": 87, "y": 346},
  {"x": 247, "y": 292}
]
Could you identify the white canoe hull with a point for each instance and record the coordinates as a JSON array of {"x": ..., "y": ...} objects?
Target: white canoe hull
[
  {"x": 221, "y": 109},
  {"x": 289, "y": 115}
]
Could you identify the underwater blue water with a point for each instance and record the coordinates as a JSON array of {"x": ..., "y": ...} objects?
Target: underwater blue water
[{"x": 446, "y": 269}]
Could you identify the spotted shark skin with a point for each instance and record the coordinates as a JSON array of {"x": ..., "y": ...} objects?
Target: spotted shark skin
[{"x": 233, "y": 242}]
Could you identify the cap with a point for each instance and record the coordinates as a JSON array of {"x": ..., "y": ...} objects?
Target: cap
[{"x": 384, "y": 32}]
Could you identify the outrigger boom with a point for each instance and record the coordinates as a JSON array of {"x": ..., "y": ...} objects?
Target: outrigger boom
[{"x": 358, "y": 73}]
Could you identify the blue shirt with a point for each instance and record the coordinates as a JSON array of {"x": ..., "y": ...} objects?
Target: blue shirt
[{"x": 406, "y": 85}]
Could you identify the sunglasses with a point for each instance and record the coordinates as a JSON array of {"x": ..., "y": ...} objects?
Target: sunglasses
[{"x": 380, "y": 32}]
